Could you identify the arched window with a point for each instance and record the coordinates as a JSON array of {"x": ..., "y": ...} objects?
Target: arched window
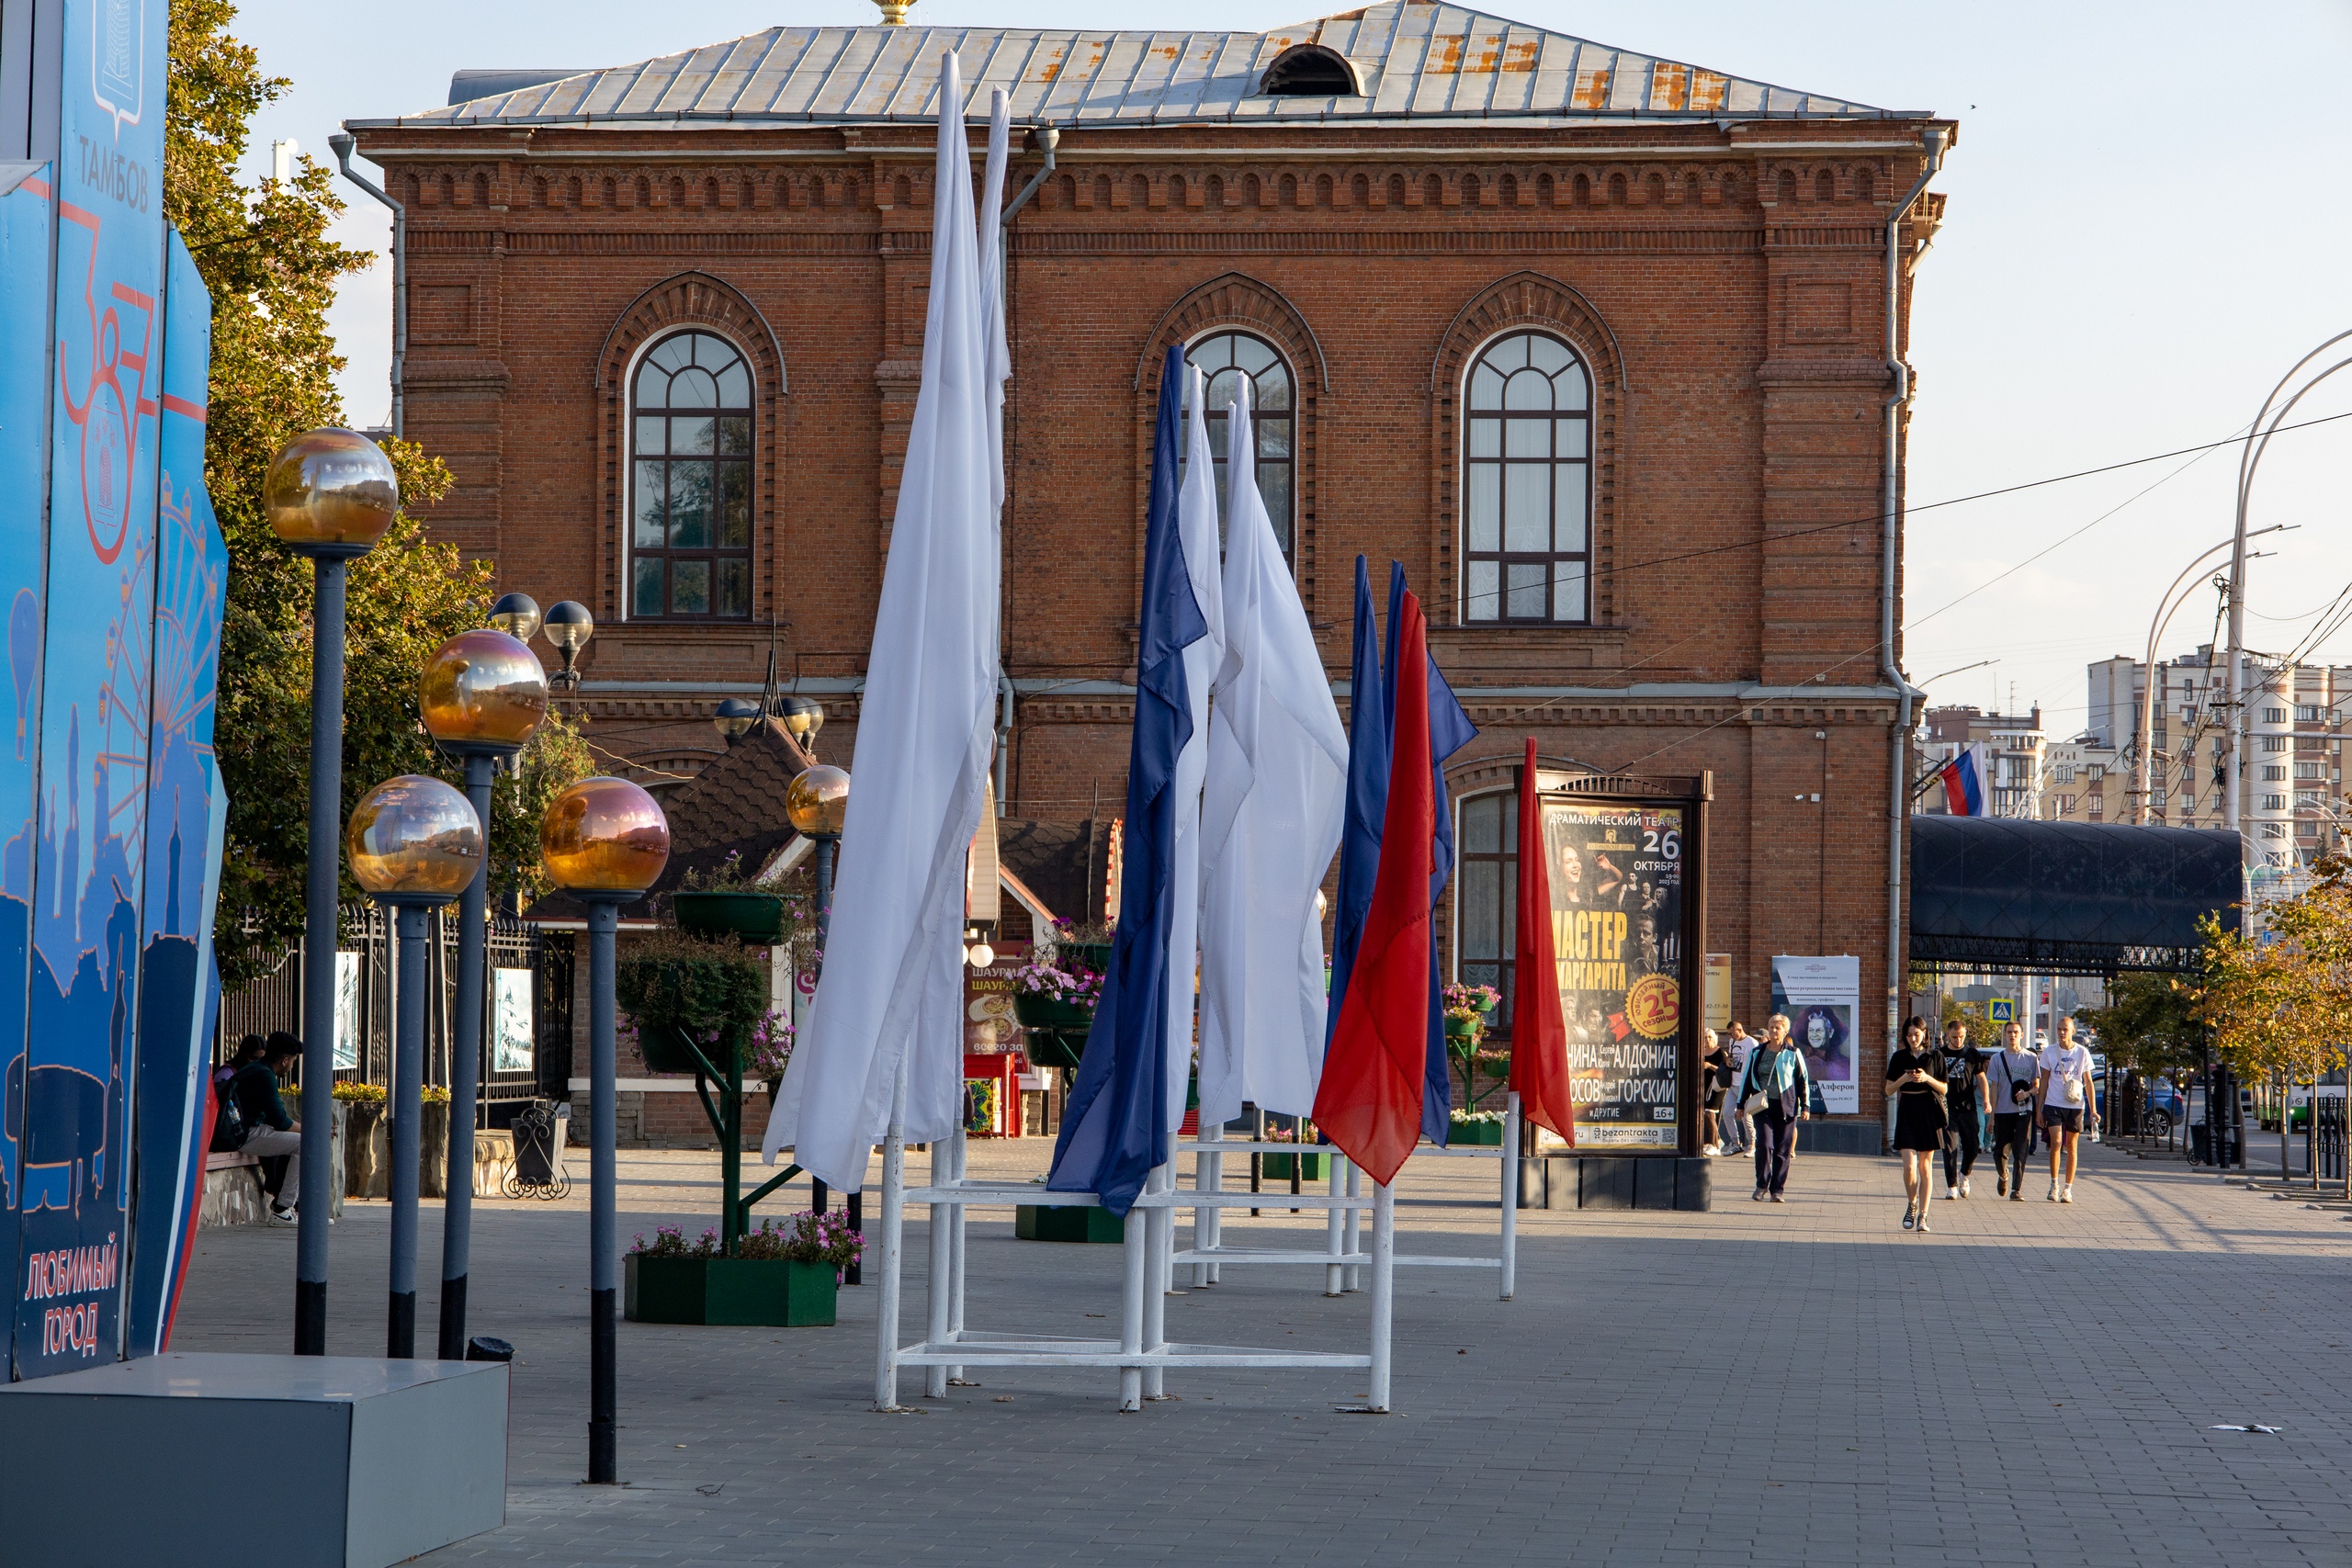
[
  {"x": 1227, "y": 359},
  {"x": 1526, "y": 466},
  {"x": 690, "y": 481}
]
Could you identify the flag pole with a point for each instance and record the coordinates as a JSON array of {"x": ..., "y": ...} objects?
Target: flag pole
[
  {"x": 943, "y": 1265},
  {"x": 1131, "y": 1287},
  {"x": 1384, "y": 1291},
  {"x": 1510, "y": 1193},
  {"x": 961, "y": 1151},
  {"x": 1161, "y": 1239},
  {"x": 893, "y": 1216},
  {"x": 1354, "y": 1271}
]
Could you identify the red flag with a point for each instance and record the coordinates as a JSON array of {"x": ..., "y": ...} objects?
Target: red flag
[
  {"x": 1539, "y": 1033},
  {"x": 1369, "y": 1100}
]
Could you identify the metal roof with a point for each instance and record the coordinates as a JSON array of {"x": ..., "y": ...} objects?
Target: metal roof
[{"x": 1417, "y": 61}]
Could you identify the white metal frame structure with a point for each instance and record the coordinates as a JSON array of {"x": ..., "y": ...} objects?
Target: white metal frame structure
[
  {"x": 1141, "y": 1354},
  {"x": 1342, "y": 1258}
]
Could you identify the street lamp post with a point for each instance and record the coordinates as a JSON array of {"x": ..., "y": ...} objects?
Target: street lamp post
[
  {"x": 2166, "y": 607},
  {"x": 329, "y": 495},
  {"x": 603, "y": 841},
  {"x": 415, "y": 843},
  {"x": 483, "y": 695},
  {"x": 569, "y": 626},
  {"x": 2265, "y": 425},
  {"x": 817, "y": 803}
]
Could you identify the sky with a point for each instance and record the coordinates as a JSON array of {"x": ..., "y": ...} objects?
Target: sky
[{"x": 2146, "y": 228}]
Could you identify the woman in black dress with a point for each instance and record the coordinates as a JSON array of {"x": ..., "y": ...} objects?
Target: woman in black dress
[{"x": 1916, "y": 1072}]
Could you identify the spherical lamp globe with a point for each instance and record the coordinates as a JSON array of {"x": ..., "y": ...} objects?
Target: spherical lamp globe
[
  {"x": 330, "y": 493},
  {"x": 802, "y": 717},
  {"x": 413, "y": 837},
  {"x": 817, "y": 801},
  {"x": 605, "y": 835},
  {"x": 483, "y": 690}
]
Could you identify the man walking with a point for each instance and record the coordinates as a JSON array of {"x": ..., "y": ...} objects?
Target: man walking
[
  {"x": 1737, "y": 1128},
  {"x": 2010, "y": 1078},
  {"x": 1964, "y": 1101},
  {"x": 2062, "y": 1089}
]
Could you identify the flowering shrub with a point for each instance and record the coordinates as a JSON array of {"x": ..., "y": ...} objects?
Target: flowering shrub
[
  {"x": 802, "y": 1238},
  {"x": 359, "y": 1093},
  {"x": 1462, "y": 1118},
  {"x": 769, "y": 1048},
  {"x": 1470, "y": 1001},
  {"x": 1045, "y": 978},
  {"x": 1092, "y": 932}
]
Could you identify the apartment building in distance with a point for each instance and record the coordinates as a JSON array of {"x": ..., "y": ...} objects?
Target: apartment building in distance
[
  {"x": 2291, "y": 786},
  {"x": 2015, "y": 751}
]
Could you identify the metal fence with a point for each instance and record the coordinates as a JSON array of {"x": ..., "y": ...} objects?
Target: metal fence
[{"x": 274, "y": 1001}]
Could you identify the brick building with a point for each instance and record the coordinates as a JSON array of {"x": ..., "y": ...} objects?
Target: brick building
[{"x": 1595, "y": 343}]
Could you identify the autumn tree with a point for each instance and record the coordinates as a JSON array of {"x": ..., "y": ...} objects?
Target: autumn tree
[{"x": 265, "y": 253}]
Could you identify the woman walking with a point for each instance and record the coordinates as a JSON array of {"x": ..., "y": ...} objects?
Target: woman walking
[
  {"x": 1776, "y": 1086},
  {"x": 1915, "y": 1071}
]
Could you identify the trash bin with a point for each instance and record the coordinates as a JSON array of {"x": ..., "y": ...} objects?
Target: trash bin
[{"x": 2200, "y": 1144}]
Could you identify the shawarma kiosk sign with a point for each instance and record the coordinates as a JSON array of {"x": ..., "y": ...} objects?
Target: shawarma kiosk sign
[{"x": 1626, "y": 865}]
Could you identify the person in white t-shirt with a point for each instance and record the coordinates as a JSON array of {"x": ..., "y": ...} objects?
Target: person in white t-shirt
[{"x": 2062, "y": 1088}]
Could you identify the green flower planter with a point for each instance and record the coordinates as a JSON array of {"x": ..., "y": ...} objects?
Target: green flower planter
[
  {"x": 1033, "y": 1221},
  {"x": 757, "y": 918},
  {"x": 1474, "y": 1135},
  {"x": 1276, "y": 1168},
  {"x": 1464, "y": 1028},
  {"x": 760, "y": 1292},
  {"x": 1056, "y": 1029}
]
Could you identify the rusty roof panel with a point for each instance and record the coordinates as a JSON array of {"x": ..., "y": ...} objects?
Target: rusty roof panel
[{"x": 1413, "y": 59}]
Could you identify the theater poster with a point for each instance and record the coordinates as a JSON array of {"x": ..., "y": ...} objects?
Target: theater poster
[
  {"x": 1620, "y": 914},
  {"x": 1821, "y": 998}
]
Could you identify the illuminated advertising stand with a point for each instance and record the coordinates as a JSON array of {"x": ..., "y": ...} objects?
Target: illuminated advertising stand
[{"x": 1627, "y": 861}]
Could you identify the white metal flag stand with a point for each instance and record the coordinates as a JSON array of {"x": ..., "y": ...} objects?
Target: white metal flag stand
[
  {"x": 1142, "y": 1353},
  {"x": 1342, "y": 1258}
]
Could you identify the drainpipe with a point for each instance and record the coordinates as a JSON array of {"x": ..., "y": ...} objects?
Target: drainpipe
[
  {"x": 343, "y": 144},
  {"x": 1047, "y": 139},
  {"x": 1898, "y": 742},
  {"x": 1004, "y": 733}
]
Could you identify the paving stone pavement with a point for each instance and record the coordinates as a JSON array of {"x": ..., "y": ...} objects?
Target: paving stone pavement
[{"x": 1798, "y": 1384}]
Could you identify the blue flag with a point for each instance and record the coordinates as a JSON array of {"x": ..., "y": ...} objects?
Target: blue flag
[
  {"x": 1369, "y": 719},
  {"x": 1115, "y": 1131},
  {"x": 1449, "y": 731}
]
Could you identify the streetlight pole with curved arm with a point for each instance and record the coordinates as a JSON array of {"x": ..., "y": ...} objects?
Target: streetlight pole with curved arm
[
  {"x": 2166, "y": 607},
  {"x": 2265, "y": 425}
]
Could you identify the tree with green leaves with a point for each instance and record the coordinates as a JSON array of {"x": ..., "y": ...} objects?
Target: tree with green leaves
[
  {"x": 264, "y": 252},
  {"x": 2150, "y": 1024}
]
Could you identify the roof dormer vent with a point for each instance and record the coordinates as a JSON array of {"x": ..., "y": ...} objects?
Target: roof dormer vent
[{"x": 1310, "y": 71}]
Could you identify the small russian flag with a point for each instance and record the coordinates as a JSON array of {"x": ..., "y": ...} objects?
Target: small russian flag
[{"x": 1963, "y": 778}]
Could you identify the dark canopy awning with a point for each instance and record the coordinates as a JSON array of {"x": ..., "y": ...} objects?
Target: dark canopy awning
[{"x": 2064, "y": 898}]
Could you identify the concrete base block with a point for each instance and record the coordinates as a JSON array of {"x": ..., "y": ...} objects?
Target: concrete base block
[
  {"x": 366, "y": 1462},
  {"x": 232, "y": 1196},
  {"x": 1621, "y": 1182}
]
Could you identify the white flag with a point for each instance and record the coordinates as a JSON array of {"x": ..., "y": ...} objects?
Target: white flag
[
  {"x": 891, "y": 999},
  {"x": 1270, "y": 822},
  {"x": 1196, "y": 537}
]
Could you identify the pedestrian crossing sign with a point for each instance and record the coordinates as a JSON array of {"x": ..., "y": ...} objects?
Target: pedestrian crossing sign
[{"x": 2001, "y": 1010}]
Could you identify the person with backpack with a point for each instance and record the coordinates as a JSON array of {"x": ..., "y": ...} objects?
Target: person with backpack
[
  {"x": 1964, "y": 1102},
  {"x": 251, "y": 1118},
  {"x": 2008, "y": 1078}
]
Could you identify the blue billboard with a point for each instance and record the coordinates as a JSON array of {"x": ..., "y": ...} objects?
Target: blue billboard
[{"x": 113, "y": 591}]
